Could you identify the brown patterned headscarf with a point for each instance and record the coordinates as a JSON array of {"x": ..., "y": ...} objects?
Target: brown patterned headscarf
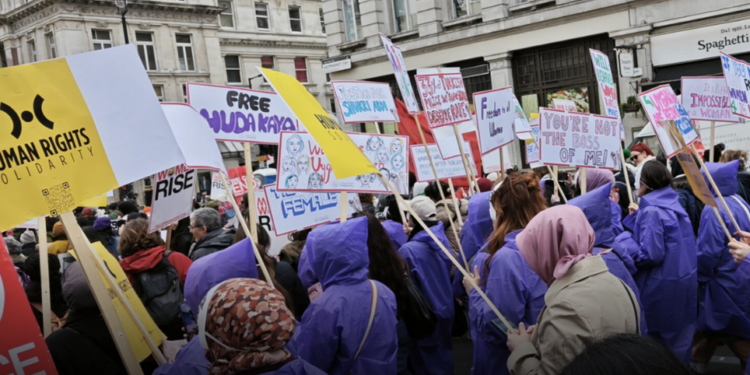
[{"x": 244, "y": 325}]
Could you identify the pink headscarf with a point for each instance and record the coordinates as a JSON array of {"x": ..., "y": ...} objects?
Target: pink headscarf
[
  {"x": 555, "y": 240},
  {"x": 598, "y": 177}
]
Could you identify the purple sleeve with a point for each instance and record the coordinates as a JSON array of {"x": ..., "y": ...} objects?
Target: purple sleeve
[{"x": 711, "y": 242}]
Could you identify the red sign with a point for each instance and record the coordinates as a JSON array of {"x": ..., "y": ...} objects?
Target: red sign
[
  {"x": 22, "y": 347},
  {"x": 238, "y": 182}
]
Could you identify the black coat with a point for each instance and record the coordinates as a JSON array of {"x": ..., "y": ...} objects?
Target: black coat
[
  {"x": 288, "y": 279},
  {"x": 743, "y": 188},
  {"x": 216, "y": 240}
]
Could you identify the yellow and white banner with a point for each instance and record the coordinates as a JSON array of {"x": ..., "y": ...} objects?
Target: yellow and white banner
[{"x": 76, "y": 127}]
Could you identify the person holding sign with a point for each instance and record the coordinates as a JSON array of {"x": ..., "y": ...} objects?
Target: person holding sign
[
  {"x": 477, "y": 229},
  {"x": 596, "y": 178},
  {"x": 664, "y": 251},
  {"x": 507, "y": 279},
  {"x": 447, "y": 212},
  {"x": 725, "y": 306}
]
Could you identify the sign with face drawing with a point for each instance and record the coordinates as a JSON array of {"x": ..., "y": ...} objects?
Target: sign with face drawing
[{"x": 304, "y": 166}]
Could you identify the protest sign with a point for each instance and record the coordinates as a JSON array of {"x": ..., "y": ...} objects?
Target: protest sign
[
  {"x": 75, "y": 132},
  {"x": 607, "y": 88},
  {"x": 365, "y": 101},
  {"x": 172, "y": 197},
  {"x": 737, "y": 77},
  {"x": 345, "y": 157},
  {"x": 305, "y": 167},
  {"x": 491, "y": 160},
  {"x": 237, "y": 184},
  {"x": 661, "y": 104},
  {"x": 495, "y": 116},
  {"x": 239, "y": 114},
  {"x": 294, "y": 211},
  {"x": 445, "y": 138},
  {"x": 521, "y": 124},
  {"x": 195, "y": 139},
  {"x": 578, "y": 139},
  {"x": 402, "y": 76},
  {"x": 707, "y": 98},
  {"x": 566, "y": 105},
  {"x": 533, "y": 156},
  {"x": 451, "y": 168},
  {"x": 263, "y": 210},
  {"x": 443, "y": 96},
  {"x": 22, "y": 349}
]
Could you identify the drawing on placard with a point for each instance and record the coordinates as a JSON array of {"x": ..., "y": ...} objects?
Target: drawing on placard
[
  {"x": 397, "y": 146},
  {"x": 294, "y": 145},
  {"x": 288, "y": 165},
  {"x": 315, "y": 181},
  {"x": 303, "y": 165}
]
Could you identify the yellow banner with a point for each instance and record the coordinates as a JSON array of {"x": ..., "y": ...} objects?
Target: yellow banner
[
  {"x": 346, "y": 159},
  {"x": 140, "y": 347},
  {"x": 49, "y": 146}
]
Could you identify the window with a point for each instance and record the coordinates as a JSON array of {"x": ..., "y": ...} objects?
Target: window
[
  {"x": 184, "y": 93},
  {"x": 332, "y": 103},
  {"x": 185, "y": 52},
  {"x": 159, "y": 90},
  {"x": 226, "y": 18},
  {"x": 295, "y": 19},
  {"x": 405, "y": 12},
  {"x": 261, "y": 16},
  {"x": 232, "y": 64},
  {"x": 322, "y": 20},
  {"x": 32, "y": 50},
  {"x": 300, "y": 68},
  {"x": 352, "y": 20},
  {"x": 267, "y": 63},
  {"x": 467, "y": 7},
  {"x": 51, "y": 49},
  {"x": 102, "y": 39},
  {"x": 145, "y": 43}
]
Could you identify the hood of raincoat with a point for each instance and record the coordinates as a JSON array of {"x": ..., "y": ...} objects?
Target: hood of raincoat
[
  {"x": 665, "y": 198},
  {"x": 236, "y": 261},
  {"x": 725, "y": 176},
  {"x": 439, "y": 232},
  {"x": 337, "y": 252},
  {"x": 479, "y": 222},
  {"x": 396, "y": 232},
  {"x": 595, "y": 205},
  {"x": 143, "y": 260}
]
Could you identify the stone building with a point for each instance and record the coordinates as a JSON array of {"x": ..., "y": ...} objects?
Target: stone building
[{"x": 540, "y": 47}]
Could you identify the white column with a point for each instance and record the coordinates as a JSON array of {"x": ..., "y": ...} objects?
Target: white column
[
  {"x": 373, "y": 21},
  {"x": 429, "y": 17}
]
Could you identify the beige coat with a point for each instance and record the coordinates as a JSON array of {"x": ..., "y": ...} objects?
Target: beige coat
[
  {"x": 585, "y": 305},
  {"x": 447, "y": 215}
]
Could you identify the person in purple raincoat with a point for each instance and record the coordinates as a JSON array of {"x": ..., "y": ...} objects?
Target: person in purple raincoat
[
  {"x": 335, "y": 325},
  {"x": 474, "y": 234},
  {"x": 618, "y": 262},
  {"x": 724, "y": 313},
  {"x": 663, "y": 249},
  {"x": 740, "y": 251},
  {"x": 508, "y": 281},
  {"x": 429, "y": 270},
  {"x": 396, "y": 232},
  {"x": 237, "y": 260},
  {"x": 599, "y": 177}
]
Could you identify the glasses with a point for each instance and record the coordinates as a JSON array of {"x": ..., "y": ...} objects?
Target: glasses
[{"x": 634, "y": 157}]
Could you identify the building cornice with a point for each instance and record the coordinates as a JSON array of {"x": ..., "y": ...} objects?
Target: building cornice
[{"x": 271, "y": 43}]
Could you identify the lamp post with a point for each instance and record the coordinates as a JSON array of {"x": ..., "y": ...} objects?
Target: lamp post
[
  {"x": 250, "y": 80},
  {"x": 122, "y": 5}
]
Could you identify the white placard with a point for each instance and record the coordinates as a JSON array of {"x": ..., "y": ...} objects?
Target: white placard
[
  {"x": 172, "y": 197},
  {"x": 578, "y": 139},
  {"x": 195, "y": 139},
  {"x": 264, "y": 219},
  {"x": 533, "y": 156},
  {"x": 402, "y": 76},
  {"x": 238, "y": 114},
  {"x": 451, "y": 168},
  {"x": 491, "y": 160},
  {"x": 443, "y": 96},
  {"x": 293, "y": 211},
  {"x": 737, "y": 76},
  {"x": 495, "y": 116},
  {"x": 445, "y": 138},
  {"x": 365, "y": 101},
  {"x": 661, "y": 104},
  {"x": 521, "y": 123},
  {"x": 707, "y": 98}
]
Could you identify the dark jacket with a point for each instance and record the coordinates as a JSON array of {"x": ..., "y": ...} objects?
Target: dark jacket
[
  {"x": 216, "y": 240},
  {"x": 182, "y": 239},
  {"x": 692, "y": 205},
  {"x": 743, "y": 185},
  {"x": 288, "y": 279},
  {"x": 290, "y": 253}
]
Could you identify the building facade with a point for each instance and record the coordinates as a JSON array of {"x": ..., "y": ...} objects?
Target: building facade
[{"x": 541, "y": 47}]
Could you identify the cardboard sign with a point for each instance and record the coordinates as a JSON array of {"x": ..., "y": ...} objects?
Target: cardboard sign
[
  {"x": 263, "y": 210},
  {"x": 443, "y": 96},
  {"x": 533, "y": 154},
  {"x": 172, "y": 197},
  {"x": 521, "y": 124},
  {"x": 22, "y": 349},
  {"x": 607, "y": 89},
  {"x": 578, "y": 139},
  {"x": 692, "y": 170},
  {"x": 195, "y": 139},
  {"x": 707, "y": 98},
  {"x": 237, "y": 178},
  {"x": 74, "y": 129},
  {"x": 661, "y": 104},
  {"x": 566, "y": 105},
  {"x": 365, "y": 101},
  {"x": 495, "y": 116},
  {"x": 402, "y": 76},
  {"x": 491, "y": 160},
  {"x": 291, "y": 212},
  {"x": 451, "y": 168},
  {"x": 445, "y": 138},
  {"x": 137, "y": 342},
  {"x": 238, "y": 114},
  {"x": 737, "y": 77},
  {"x": 97, "y": 201},
  {"x": 345, "y": 157},
  {"x": 304, "y": 166}
]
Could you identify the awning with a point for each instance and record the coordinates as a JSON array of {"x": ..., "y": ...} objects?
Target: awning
[{"x": 231, "y": 149}]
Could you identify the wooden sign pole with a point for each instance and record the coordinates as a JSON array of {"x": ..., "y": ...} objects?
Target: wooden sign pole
[
  {"x": 243, "y": 223},
  {"x": 716, "y": 189},
  {"x": 582, "y": 181},
  {"x": 400, "y": 211},
  {"x": 502, "y": 165},
  {"x": 552, "y": 173},
  {"x": 464, "y": 159},
  {"x": 627, "y": 177},
  {"x": 711, "y": 142},
  {"x": 169, "y": 237},
  {"x": 344, "y": 202},
  {"x": 84, "y": 251},
  {"x": 460, "y": 223},
  {"x": 553, "y": 176},
  {"x": 44, "y": 264},
  {"x": 251, "y": 212}
]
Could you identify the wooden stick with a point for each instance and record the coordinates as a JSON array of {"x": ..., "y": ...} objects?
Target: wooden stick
[
  {"x": 551, "y": 172},
  {"x": 344, "y": 202},
  {"x": 465, "y": 160},
  {"x": 716, "y": 188},
  {"x": 169, "y": 236},
  {"x": 723, "y": 225},
  {"x": 452, "y": 259},
  {"x": 44, "y": 264},
  {"x": 711, "y": 144},
  {"x": 553, "y": 176},
  {"x": 460, "y": 223},
  {"x": 627, "y": 177},
  {"x": 251, "y": 212},
  {"x": 158, "y": 355},
  {"x": 243, "y": 223},
  {"x": 582, "y": 181},
  {"x": 502, "y": 165},
  {"x": 83, "y": 249}
]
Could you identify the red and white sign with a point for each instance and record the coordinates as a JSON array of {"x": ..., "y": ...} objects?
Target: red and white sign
[
  {"x": 578, "y": 139},
  {"x": 237, "y": 184},
  {"x": 443, "y": 96},
  {"x": 172, "y": 197},
  {"x": 22, "y": 347},
  {"x": 661, "y": 104}
]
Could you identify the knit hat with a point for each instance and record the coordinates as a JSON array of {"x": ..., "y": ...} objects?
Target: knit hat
[
  {"x": 418, "y": 189},
  {"x": 626, "y": 153},
  {"x": 76, "y": 290},
  {"x": 102, "y": 223},
  {"x": 28, "y": 237},
  {"x": 484, "y": 184},
  {"x": 147, "y": 210},
  {"x": 424, "y": 208},
  {"x": 14, "y": 247},
  {"x": 88, "y": 212},
  {"x": 57, "y": 229}
]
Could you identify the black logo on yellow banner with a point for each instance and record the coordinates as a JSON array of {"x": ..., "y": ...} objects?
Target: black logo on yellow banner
[{"x": 27, "y": 116}]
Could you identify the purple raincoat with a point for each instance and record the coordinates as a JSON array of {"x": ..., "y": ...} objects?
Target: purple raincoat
[
  {"x": 334, "y": 325},
  {"x": 429, "y": 270},
  {"x": 725, "y": 303},
  {"x": 516, "y": 291},
  {"x": 592, "y": 204},
  {"x": 396, "y": 232},
  {"x": 474, "y": 234},
  {"x": 617, "y": 228},
  {"x": 663, "y": 249}
]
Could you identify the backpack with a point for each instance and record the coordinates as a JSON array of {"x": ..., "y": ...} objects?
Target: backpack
[{"x": 161, "y": 293}]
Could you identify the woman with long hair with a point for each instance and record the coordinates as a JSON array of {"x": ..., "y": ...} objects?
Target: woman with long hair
[{"x": 504, "y": 275}]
